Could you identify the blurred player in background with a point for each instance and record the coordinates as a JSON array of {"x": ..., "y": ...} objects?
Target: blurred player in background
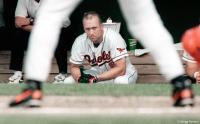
[
  {"x": 24, "y": 21},
  {"x": 191, "y": 44},
  {"x": 144, "y": 23}
]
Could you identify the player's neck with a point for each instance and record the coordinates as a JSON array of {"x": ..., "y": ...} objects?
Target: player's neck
[
  {"x": 96, "y": 44},
  {"x": 37, "y": 1}
]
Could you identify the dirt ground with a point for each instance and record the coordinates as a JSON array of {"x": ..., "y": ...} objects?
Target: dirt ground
[{"x": 103, "y": 105}]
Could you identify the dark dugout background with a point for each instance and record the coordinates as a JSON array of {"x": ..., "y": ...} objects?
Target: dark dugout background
[{"x": 177, "y": 15}]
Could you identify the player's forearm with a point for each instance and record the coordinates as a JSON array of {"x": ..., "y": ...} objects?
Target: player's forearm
[
  {"x": 75, "y": 72},
  {"x": 190, "y": 72},
  {"x": 118, "y": 69},
  {"x": 111, "y": 74},
  {"x": 191, "y": 68},
  {"x": 27, "y": 28}
]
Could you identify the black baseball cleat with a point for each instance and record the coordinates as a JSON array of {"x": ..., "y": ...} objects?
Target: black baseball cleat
[
  {"x": 182, "y": 91},
  {"x": 29, "y": 97}
]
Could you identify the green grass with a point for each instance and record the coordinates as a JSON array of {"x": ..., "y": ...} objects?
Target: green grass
[
  {"x": 98, "y": 89},
  {"x": 60, "y": 119}
]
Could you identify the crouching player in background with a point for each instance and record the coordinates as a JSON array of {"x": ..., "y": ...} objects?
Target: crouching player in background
[
  {"x": 105, "y": 50},
  {"x": 191, "y": 42}
]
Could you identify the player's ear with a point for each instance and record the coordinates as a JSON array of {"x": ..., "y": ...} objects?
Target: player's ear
[{"x": 101, "y": 25}]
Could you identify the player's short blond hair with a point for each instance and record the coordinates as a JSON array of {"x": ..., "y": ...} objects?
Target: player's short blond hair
[{"x": 90, "y": 15}]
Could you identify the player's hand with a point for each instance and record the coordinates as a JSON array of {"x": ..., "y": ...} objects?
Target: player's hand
[
  {"x": 21, "y": 21},
  {"x": 197, "y": 77},
  {"x": 87, "y": 78}
]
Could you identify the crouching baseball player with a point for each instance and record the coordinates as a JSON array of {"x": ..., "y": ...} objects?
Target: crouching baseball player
[{"x": 105, "y": 51}]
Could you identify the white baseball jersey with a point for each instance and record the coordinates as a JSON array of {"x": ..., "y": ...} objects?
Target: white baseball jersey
[
  {"x": 29, "y": 8},
  {"x": 111, "y": 49},
  {"x": 187, "y": 57}
]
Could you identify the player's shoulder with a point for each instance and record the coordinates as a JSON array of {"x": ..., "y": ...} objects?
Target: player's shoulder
[
  {"x": 110, "y": 31},
  {"x": 26, "y": 3},
  {"x": 22, "y": 1},
  {"x": 81, "y": 37},
  {"x": 113, "y": 35}
]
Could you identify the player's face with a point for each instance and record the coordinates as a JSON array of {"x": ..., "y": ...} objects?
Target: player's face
[{"x": 94, "y": 29}]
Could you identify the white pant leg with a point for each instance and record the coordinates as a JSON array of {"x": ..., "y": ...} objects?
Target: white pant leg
[
  {"x": 44, "y": 37},
  {"x": 126, "y": 79},
  {"x": 145, "y": 24}
]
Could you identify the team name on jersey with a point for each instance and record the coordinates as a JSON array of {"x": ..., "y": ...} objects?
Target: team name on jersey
[{"x": 99, "y": 60}]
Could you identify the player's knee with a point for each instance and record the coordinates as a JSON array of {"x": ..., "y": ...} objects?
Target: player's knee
[
  {"x": 126, "y": 79},
  {"x": 121, "y": 80},
  {"x": 69, "y": 80}
]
